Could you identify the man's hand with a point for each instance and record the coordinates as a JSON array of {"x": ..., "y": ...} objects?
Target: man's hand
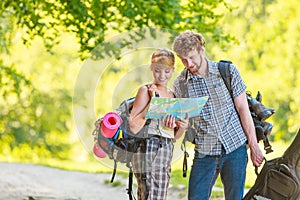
[
  {"x": 256, "y": 155},
  {"x": 183, "y": 122}
]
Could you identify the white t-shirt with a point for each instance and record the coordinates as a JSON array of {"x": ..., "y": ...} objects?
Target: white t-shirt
[{"x": 156, "y": 128}]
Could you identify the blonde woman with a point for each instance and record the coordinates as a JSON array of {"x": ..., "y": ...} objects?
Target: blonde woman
[{"x": 152, "y": 163}]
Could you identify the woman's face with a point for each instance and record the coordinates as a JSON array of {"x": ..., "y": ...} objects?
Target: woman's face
[{"x": 162, "y": 74}]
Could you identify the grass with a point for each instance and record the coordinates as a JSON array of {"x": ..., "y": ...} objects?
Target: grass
[
  {"x": 113, "y": 184},
  {"x": 94, "y": 165}
]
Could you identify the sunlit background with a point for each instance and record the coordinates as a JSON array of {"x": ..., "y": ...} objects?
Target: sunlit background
[{"x": 55, "y": 82}]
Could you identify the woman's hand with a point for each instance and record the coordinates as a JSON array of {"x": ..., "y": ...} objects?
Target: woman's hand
[
  {"x": 169, "y": 121},
  {"x": 152, "y": 89}
]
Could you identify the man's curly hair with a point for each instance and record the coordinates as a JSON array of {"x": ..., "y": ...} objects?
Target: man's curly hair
[{"x": 188, "y": 41}]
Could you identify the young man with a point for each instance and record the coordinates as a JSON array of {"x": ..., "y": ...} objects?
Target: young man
[{"x": 224, "y": 125}]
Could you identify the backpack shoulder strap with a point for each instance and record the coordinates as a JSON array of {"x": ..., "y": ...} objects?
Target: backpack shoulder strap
[
  {"x": 183, "y": 84},
  {"x": 291, "y": 155},
  {"x": 223, "y": 66}
]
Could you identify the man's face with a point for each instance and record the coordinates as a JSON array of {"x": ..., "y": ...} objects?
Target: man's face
[{"x": 192, "y": 61}]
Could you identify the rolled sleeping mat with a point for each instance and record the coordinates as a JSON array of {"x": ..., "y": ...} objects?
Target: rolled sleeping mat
[
  {"x": 98, "y": 151},
  {"x": 110, "y": 124}
]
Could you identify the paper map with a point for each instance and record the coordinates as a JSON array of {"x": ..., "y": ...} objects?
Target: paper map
[{"x": 160, "y": 107}]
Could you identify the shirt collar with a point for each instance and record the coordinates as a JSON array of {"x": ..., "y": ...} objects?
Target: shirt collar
[{"x": 212, "y": 67}]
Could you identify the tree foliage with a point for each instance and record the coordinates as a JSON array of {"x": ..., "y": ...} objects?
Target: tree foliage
[
  {"x": 267, "y": 57},
  {"x": 35, "y": 107},
  {"x": 91, "y": 20},
  {"x": 36, "y": 94},
  {"x": 36, "y": 86}
]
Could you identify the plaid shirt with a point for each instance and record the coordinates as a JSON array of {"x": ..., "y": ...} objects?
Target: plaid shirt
[{"x": 218, "y": 125}]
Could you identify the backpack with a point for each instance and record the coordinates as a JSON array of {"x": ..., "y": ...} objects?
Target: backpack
[
  {"x": 279, "y": 178},
  {"x": 258, "y": 112},
  {"x": 122, "y": 146}
]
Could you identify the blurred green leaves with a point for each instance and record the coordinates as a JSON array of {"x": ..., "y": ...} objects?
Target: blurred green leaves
[
  {"x": 91, "y": 20},
  {"x": 37, "y": 81}
]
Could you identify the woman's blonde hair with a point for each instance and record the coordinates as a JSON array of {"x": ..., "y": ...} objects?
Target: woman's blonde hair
[
  {"x": 188, "y": 41},
  {"x": 163, "y": 58}
]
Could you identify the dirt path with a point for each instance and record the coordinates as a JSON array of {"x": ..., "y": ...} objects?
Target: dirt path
[{"x": 30, "y": 182}]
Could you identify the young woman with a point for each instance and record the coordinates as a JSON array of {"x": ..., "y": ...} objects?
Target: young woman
[{"x": 152, "y": 164}]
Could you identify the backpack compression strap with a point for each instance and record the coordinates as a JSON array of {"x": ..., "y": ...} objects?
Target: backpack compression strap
[
  {"x": 183, "y": 84},
  {"x": 184, "y": 91},
  {"x": 114, "y": 172},
  {"x": 129, "y": 190},
  {"x": 185, "y": 165}
]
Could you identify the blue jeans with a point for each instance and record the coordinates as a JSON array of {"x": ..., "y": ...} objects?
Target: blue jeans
[{"x": 205, "y": 170}]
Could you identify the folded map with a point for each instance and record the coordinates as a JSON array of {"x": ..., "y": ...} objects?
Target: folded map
[{"x": 160, "y": 107}]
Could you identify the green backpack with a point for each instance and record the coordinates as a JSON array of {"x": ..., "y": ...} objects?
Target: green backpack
[{"x": 279, "y": 178}]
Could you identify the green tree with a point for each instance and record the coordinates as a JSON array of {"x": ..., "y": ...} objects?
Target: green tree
[
  {"x": 91, "y": 20},
  {"x": 267, "y": 57},
  {"x": 36, "y": 106},
  {"x": 36, "y": 116}
]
